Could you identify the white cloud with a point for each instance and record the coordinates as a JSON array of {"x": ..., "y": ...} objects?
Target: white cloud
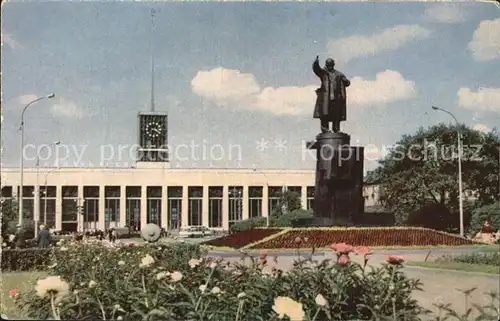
[
  {"x": 9, "y": 41},
  {"x": 485, "y": 44},
  {"x": 26, "y": 99},
  {"x": 482, "y": 128},
  {"x": 484, "y": 99},
  {"x": 287, "y": 100},
  {"x": 447, "y": 13},
  {"x": 387, "y": 87},
  {"x": 66, "y": 108},
  {"x": 241, "y": 90},
  {"x": 221, "y": 85},
  {"x": 352, "y": 47}
]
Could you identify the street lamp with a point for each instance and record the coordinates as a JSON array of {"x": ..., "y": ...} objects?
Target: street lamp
[
  {"x": 460, "y": 193},
  {"x": 37, "y": 208},
  {"x": 21, "y": 165}
]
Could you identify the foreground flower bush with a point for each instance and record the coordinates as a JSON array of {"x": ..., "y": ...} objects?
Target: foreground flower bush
[{"x": 178, "y": 282}]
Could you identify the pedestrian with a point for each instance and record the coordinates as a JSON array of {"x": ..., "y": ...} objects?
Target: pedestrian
[{"x": 44, "y": 238}]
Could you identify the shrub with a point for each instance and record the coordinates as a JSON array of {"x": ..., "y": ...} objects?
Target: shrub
[
  {"x": 486, "y": 213},
  {"x": 25, "y": 259},
  {"x": 490, "y": 258},
  {"x": 299, "y": 217},
  {"x": 241, "y": 239},
  {"x": 249, "y": 224}
]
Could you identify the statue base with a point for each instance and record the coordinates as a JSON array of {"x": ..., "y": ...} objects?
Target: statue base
[{"x": 338, "y": 198}]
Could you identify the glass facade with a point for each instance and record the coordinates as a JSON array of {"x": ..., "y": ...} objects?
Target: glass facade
[
  {"x": 111, "y": 206},
  {"x": 195, "y": 208},
  {"x": 274, "y": 197},
  {"x": 215, "y": 196},
  {"x": 90, "y": 207},
  {"x": 174, "y": 198},
  {"x": 310, "y": 197},
  {"x": 133, "y": 208},
  {"x": 255, "y": 194},
  {"x": 48, "y": 206},
  {"x": 235, "y": 204},
  {"x": 154, "y": 204}
]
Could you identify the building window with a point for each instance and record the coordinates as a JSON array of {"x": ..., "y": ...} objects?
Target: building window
[
  {"x": 295, "y": 189},
  {"x": 154, "y": 205},
  {"x": 255, "y": 194},
  {"x": 310, "y": 198},
  {"x": 28, "y": 202},
  {"x": 133, "y": 207},
  {"x": 235, "y": 204},
  {"x": 48, "y": 206},
  {"x": 274, "y": 198},
  {"x": 215, "y": 194},
  {"x": 111, "y": 206},
  {"x": 6, "y": 192},
  {"x": 195, "y": 197},
  {"x": 90, "y": 207},
  {"x": 174, "y": 196}
]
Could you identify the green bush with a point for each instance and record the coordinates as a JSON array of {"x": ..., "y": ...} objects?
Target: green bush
[
  {"x": 25, "y": 259},
  {"x": 490, "y": 258},
  {"x": 490, "y": 213},
  {"x": 292, "y": 219},
  {"x": 248, "y": 224}
]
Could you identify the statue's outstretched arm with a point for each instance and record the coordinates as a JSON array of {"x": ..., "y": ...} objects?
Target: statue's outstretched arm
[{"x": 316, "y": 68}]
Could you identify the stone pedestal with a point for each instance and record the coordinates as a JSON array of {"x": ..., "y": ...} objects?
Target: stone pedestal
[{"x": 338, "y": 198}]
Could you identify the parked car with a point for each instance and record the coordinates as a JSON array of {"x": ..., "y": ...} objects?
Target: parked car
[{"x": 195, "y": 231}]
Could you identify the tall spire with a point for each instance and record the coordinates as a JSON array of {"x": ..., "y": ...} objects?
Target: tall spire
[{"x": 152, "y": 60}]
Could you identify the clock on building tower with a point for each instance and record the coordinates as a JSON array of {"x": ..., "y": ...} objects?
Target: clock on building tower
[{"x": 153, "y": 137}]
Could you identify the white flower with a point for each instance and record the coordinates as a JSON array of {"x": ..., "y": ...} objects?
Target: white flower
[
  {"x": 119, "y": 317},
  {"x": 52, "y": 266},
  {"x": 202, "y": 288},
  {"x": 194, "y": 263},
  {"x": 162, "y": 275},
  {"x": 146, "y": 261},
  {"x": 92, "y": 284},
  {"x": 159, "y": 248},
  {"x": 75, "y": 292},
  {"x": 63, "y": 248},
  {"x": 241, "y": 295},
  {"x": 82, "y": 284},
  {"x": 118, "y": 307},
  {"x": 176, "y": 276},
  {"x": 213, "y": 265},
  {"x": 320, "y": 300},
  {"x": 121, "y": 263},
  {"x": 216, "y": 290},
  {"x": 4, "y": 244},
  {"x": 52, "y": 285}
]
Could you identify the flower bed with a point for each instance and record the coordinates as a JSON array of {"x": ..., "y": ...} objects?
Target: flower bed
[
  {"x": 322, "y": 237},
  {"x": 176, "y": 282},
  {"x": 241, "y": 239}
]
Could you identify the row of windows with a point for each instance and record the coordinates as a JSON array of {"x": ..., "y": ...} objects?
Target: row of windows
[
  {"x": 88, "y": 207},
  {"x": 154, "y": 191}
]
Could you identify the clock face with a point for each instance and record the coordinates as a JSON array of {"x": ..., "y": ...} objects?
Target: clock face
[{"x": 154, "y": 129}]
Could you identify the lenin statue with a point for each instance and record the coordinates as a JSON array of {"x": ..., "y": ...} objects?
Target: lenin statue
[{"x": 331, "y": 100}]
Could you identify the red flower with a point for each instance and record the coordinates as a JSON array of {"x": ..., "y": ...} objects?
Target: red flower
[
  {"x": 343, "y": 259},
  {"x": 362, "y": 250},
  {"x": 13, "y": 293},
  {"x": 394, "y": 259},
  {"x": 342, "y": 248}
]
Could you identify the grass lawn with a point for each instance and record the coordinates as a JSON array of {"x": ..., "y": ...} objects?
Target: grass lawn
[
  {"x": 23, "y": 281},
  {"x": 483, "y": 268}
]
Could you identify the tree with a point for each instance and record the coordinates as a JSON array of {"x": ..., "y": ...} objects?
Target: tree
[
  {"x": 489, "y": 213},
  {"x": 289, "y": 201},
  {"x": 422, "y": 169}
]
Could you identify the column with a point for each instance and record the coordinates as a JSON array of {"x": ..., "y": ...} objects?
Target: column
[
  {"x": 265, "y": 201},
  {"x": 225, "y": 208},
  {"x": 204, "y": 207},
  {"x": 123, "y": 206},
  {"x": 303, "y": 198},
  {"x": 185, "y": 207},
  {"x": 36, "y": 210},
  {"x": 81, "y": 202},
  {"x": 245, "y": 203},
  {"x": 58, "y": 226},
  {"x": 102, "y": 209},
  {"x": 144, "y": 206},
  {"x": 165, "y": 215}
]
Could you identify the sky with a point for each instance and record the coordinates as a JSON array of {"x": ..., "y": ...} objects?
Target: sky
[{"x": 236, "y": 78}]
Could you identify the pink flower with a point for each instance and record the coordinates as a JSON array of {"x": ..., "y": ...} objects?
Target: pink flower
[
  {"x": 343, "y": 259},
  {"x": 14, "y": 293},
  {"x": 362, "y": 250},
  {"x": 342, "y": 248},
  {"x": 298, "y": 240},
  {"x": 394, "y": 259}
]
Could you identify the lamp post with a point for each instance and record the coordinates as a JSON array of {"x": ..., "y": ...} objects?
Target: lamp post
[
  {"x": 21, "y": 161},
  {"x": 37, "y": 189},
  {"x": 460, "y": 192}
]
